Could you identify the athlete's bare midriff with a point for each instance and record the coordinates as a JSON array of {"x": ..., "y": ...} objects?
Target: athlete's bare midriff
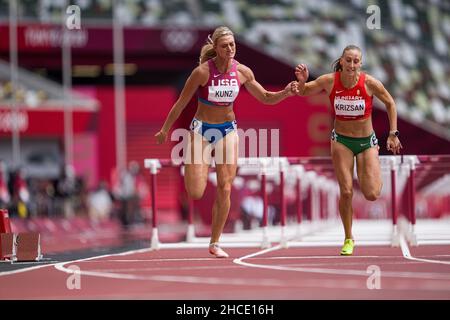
[
  {"x": 354, "y": 128},
  {"x": 214, "y": 114}
]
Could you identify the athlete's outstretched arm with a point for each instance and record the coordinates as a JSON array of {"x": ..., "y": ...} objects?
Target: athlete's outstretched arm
[
  {"x": 196, "y": 78},
  {"x": 303, "y": 88},
  {"x": 257, "y": 90},
  {"x": 379, "y": 91}
]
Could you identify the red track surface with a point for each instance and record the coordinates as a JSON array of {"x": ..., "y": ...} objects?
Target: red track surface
[{"x": 192, "y": 274}]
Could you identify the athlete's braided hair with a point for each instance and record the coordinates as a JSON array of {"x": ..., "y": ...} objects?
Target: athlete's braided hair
[
  {"x": 337, "y": 64},
  {"x": 208, "y": 52}
]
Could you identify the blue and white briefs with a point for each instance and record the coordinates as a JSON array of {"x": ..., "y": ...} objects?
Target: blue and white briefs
[{"x": 212, "y": 132}]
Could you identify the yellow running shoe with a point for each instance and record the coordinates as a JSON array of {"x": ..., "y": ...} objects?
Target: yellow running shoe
[{"x": 347, "y": 249}]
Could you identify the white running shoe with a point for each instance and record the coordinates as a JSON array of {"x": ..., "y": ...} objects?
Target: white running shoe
[{"x": 215, "y": 250}]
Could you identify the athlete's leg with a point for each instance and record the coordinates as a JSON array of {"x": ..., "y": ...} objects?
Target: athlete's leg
[
  {"x": 343, "y": 166},
  {"x": 196, "y": 166},
  {"x": 369, "y": 173},
  {"x": 226, "y": 172}
]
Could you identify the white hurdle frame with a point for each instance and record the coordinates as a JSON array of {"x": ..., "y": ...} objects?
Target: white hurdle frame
[{"x": 324, "y": 192}]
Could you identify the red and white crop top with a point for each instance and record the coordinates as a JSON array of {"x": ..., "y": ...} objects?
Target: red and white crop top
[
  {"x": 353, "y": 103},
  {"x": 221, "y": 88}
]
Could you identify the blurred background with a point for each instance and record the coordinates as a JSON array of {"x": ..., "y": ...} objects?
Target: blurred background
[{"x": 85, "y": 85}]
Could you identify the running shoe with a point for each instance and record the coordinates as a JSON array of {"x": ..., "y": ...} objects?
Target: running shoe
[
  {"x": 347, "y": 249},
  {"x": 216, "y": 251}
]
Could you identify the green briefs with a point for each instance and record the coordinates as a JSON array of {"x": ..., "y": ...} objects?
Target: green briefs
[{"x": 357, "y": 145}]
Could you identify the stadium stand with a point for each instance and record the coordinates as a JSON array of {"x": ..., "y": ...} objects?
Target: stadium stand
[
  {"x": 410, "y": 55},
  {"x": 36, "y": 92},
  {"x": 412, "y": 48}
]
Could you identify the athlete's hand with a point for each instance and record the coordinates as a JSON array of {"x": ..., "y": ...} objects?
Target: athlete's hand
[
  {"x": 291, "y": 88},
  {"x": 302, "y": 73},
  {"x": 294, "y": 87},
  {"x": 161, "y": 137},
  {"x": 394, "y": 145}
]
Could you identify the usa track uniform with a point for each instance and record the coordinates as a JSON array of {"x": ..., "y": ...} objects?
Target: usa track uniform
[{"x": 220, "y": 91}]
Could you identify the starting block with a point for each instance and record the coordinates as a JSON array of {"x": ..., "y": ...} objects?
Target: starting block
[
  {"x": 27, "y": 246},
  {"x": 7, "y": 246},
  {"x": 24, "y": 246},
  {"x": 5, "y": 224}
]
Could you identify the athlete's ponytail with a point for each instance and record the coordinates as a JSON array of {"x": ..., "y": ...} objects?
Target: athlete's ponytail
[
  {"x": 208, "y": 51},
  {"x": 337, "y": 63}
]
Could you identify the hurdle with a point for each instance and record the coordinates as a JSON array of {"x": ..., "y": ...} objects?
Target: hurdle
[
  {"x": 313, "y": 179},
  {"x": 266, "y": 169}
]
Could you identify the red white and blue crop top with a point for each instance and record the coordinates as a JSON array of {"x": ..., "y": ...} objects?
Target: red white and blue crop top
[
  {"x": 353, "y": 103},
  {"x": 221, "y": 88}
]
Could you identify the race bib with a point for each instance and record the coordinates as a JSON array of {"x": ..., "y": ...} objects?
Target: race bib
[
  {"x": 349, "y": 107},
  {"x": 222, "y": 93}
]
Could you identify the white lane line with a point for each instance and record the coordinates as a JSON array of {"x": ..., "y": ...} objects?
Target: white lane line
[
  {"x": 240, "y": 261},
  {"x": 259, "y": 282},
  {"x": 342, "y": 284},
  {"x": 7, "y": 273},
  {"x": 407, "y": 253},
  {"x": 178, "y": 279},
  {"x": 193, "y": 268},
  {"x": 12, "y": 272},
  {"x": 324, "y": 243},
  {"x": 153, "y": 260},
  {"x": 171, "y": 278},
  {"x": 258, "y": 258},
  {"x": 351, "y": 272},
  {"x": 60, "y": 266},
  {"x": 166, "y": 269},
  {"x": 323, "y": 257}
]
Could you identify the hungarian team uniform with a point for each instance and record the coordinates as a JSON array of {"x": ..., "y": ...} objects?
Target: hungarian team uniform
[{"x": 352, "y": 104}]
